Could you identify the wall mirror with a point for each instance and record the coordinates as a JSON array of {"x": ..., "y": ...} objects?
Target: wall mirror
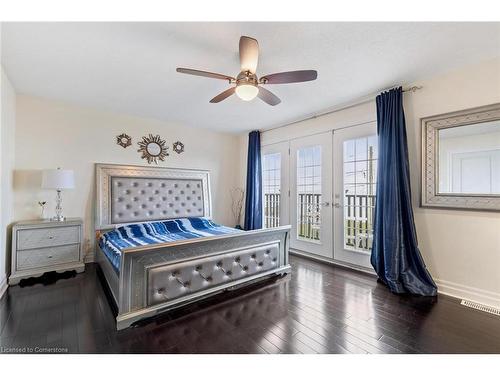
[
  {"x": 153, "y": 148},
  {"x": 461, "y": 159}
]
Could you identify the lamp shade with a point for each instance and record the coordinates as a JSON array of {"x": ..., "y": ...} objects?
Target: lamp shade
[{"x": 58, "y": 179}]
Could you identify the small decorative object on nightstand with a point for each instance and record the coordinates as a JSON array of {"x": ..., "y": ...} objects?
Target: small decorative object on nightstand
[
  {"x": 42, "y": 207},
  {"x": 58, "y": 179},
  {"x": 40, "y": 246}
]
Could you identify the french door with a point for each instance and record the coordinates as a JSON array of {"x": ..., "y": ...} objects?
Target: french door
[
  {"x": 275, "y": 179},
  {"x": 324, "y": 185},
  {"x": 310, "y": 194},
  {"x": 355, "y": 181}
]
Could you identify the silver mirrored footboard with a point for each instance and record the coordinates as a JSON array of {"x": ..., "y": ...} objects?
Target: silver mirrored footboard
[{"x": 157, "y": 278}]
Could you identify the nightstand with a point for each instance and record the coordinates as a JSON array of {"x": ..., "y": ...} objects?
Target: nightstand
[{"x": 40, "y": 246}]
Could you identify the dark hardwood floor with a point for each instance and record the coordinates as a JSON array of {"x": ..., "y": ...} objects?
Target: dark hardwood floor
[{"x": 318, "y": 309}]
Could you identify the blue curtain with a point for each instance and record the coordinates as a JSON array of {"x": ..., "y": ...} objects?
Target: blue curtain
[
  {"x": 253, "y": 200},
  {"x": 395, "y": 254}
]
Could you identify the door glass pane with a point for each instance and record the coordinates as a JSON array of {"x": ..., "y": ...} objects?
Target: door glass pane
[
  {"x": 309, "y": 193},
  {"x": 360, "y": 182},
  {"x": 361, "y": 148},
  {"x": 349, "y": 149},
  {"x": 271, "y": 182}
]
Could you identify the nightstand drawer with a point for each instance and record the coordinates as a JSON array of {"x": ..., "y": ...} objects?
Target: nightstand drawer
[
  {"x": 46, "y": 257},
  {"x": 45, "y": 237}
]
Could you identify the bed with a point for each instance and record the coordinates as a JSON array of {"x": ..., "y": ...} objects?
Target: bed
[{"x": 158, "y": 247}]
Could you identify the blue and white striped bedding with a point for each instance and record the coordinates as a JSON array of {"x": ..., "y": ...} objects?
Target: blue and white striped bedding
[{"x": 113, "y": 242}]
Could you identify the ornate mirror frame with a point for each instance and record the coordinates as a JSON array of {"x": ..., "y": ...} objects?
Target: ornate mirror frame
[
  {"x": 147, "y": 154},
  {"x": 430, "y": 159}
]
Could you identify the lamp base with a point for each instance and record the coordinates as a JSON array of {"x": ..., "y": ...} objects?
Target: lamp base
[{"x": 59, "y": 216}]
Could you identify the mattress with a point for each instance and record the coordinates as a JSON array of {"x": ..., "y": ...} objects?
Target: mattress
[{"x": 113, "y": 242}]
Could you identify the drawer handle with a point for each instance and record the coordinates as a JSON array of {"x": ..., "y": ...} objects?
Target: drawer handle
[
  {"x": 49, "y": 256},
  {"x": 51, "y": 237}
]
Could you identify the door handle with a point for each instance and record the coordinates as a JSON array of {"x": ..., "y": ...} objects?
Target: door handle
[
  {"x": 325, "y": 204},
  {"x": 337, "y": 205}
]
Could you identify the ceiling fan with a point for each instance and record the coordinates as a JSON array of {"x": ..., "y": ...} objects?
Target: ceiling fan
[{"x": 248, "y": 85}]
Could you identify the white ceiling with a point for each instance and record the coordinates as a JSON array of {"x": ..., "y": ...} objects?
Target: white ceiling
[{"x": 130, "y": 67}]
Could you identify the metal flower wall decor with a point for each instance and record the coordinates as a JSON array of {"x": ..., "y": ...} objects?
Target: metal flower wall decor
[
  {"x": 153, "y": 148},
  {"x": 178, "y": 147},
  {"x": 123, "y": 140}
]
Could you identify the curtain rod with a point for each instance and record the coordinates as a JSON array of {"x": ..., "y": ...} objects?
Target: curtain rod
[{"x": 340, "y": 107}]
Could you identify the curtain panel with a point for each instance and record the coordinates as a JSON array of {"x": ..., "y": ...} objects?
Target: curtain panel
[
  {"x": 253, "y": 199},
  {"x": 395, "y": 254}
]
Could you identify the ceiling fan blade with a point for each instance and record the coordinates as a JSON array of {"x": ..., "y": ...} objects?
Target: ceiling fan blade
[
  {"x": 223, "y": 95},
  {"x": 249, "y": 54},
  {"x": 290, "y": 77},
  {"x": 202, "y": 73},
  {"x": 268, "y": 97}
]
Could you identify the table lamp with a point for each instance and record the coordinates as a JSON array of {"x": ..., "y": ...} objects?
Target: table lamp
[{"x": 58, "y": 180}]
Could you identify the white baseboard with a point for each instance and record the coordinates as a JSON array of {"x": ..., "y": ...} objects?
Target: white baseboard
[
  {"x": 3, "y": 287},
  {"x": 460, "y": 291}
]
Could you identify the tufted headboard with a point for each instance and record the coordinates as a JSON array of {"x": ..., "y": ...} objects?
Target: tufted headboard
[{"x": 129, "y": 194}]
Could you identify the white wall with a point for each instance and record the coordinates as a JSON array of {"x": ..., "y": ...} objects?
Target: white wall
[
  {"x": 7, "y": 131},
  {"x": 461, "y": 248},
  {"x": 242, "y": 162},
  {"x": 52, "y": 134}
]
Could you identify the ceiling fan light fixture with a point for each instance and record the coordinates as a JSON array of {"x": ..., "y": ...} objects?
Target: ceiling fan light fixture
[
  {"x": 247, "y": 92},
  {"x": 248, "y": 85}
]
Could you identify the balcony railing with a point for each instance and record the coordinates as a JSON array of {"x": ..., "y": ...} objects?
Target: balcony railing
[
  {"x": 358, "y": 226},
  {"x": 309, "y": 216},
  {"x": 271, "y": 210},
  {"x": 358, "y": 215}
]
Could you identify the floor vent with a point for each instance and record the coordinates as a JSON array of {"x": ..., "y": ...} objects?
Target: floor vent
[{"x": 478, "y": 306}]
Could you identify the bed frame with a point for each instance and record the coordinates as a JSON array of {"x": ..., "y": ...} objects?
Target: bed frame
[{"x": 160, "y": 277}]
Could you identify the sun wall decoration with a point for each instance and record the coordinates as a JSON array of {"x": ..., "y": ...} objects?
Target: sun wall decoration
[{"x": 153, "y": 148}]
